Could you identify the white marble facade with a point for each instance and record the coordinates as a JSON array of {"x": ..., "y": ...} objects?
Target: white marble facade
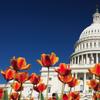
[{"x": 85, "y": 55}]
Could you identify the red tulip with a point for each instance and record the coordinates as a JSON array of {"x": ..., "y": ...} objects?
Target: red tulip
[
  {"x": 9, "y": 74},
  {"x": 22, "y": 77},
  {"x": 64, "y": 69},
  {"x": 65, "y": 79},
  {"x": 1, "y": 93},
  {"x": 74, "y": 95},
  {"x": 34, "y": 79},
  {"x": 19, "y": 64},
  {"x": 94, "y": 85},
  {"x": 48, "y": 60},
  {"x": 14, "y": 96},
  {"x": 95, "y": 70},
  {"x": 17, "y": 86},
  {"x": 40, "y": 87},
  {"x": 73, "y": 82},
  {"x": 65, "y": 97}
]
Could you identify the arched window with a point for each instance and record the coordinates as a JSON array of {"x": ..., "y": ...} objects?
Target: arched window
[
  {"x": 83, "y": 46},
  {"x": 86, "y": 45},
  {"x": 80, "y": 46},
  {"x": 90, "y": 45},
  {"x": 94, "y": 44}
]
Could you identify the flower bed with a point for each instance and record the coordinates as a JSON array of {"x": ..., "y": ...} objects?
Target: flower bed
[{"x": 18, "y": 73}]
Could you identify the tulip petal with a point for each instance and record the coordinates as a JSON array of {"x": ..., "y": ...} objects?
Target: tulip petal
[
  {"x": 53, "y": 58},
  {"x": 39, "y": 61}
]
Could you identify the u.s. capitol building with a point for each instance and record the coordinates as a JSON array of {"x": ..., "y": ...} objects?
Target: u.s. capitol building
[{"x": 85, "y": 55}]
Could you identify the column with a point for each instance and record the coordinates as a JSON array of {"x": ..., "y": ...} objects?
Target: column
[
  {"x": 97, "y": 60},
  {"x": 92, "y": 59},
  {"x": 86, "y": 59},
  {"x": 93, "y": 76},
  {"x": 75, "y": 75},
  {"x": 78, "y": 60},
  {"x": 75, "y": 60},
  {"x": 82, "y": 59},
  {"x": 84, "y": 82},
  {"x": 72, "y": 74}
]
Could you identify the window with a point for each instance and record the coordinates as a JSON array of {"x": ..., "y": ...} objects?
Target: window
[
  {"x": 86, "y": 45},
  {"x": 91, "y": 45},
  {"x": 50, "y": 78},
  {"x": 94, "y": 44},
  {"x": 80, "y": 46},
  {"x": 49, "y": 89},
  {"x": 81, "y": 88},
  {"x": 83, "y": 45}
]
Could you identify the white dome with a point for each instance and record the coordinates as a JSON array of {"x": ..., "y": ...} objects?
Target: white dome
[
  {"x": 94, "y": 29},
  {"x": 91, "y": 31}
]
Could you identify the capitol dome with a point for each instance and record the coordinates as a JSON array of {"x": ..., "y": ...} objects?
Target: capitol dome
[
  {"x": 87, "y": 48},
  {"x": 94, "y": 29}
]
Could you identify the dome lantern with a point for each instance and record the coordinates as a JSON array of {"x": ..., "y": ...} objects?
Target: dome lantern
[{"x": 96, "y": 16}]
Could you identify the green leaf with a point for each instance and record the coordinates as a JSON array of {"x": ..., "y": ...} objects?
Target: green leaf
[
  {"x": 5, "y": 97},
  {"x": 41, "y": 96}
]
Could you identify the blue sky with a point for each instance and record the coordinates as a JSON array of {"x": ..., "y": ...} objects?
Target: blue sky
[{"x": 31, "y": 27}]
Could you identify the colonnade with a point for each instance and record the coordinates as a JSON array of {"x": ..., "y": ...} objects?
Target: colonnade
[
  {"x": 89, "y": 58},
  {"x": 84, "y": 79}
]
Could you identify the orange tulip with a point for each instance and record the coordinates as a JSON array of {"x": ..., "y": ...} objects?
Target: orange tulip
[
  {"x": 94, "y": 85},
  {"x": 65, "y": 79},
  {"x": 40, "y": 87},
  {"x": 1, "y": 93},
  {"x": 19, "y": 64},
  {"x": 65, "y": 97},
  {"x": 17, "y": 86},
  {"x": 74, "y": 95},
  {"x": 48, "y": 60},
  {"x": 34, "y": 79},
  {"x": 95, "y": 70},
  {"x": 73, "y": 82},
  {"x": 8, "y": 74},
  {"x": 22, "y": 77},
  {"x": 14, "y": 96},
  {"x": 64, "y": 69}
]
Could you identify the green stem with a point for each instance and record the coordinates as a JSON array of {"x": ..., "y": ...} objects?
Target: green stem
[
  {"x": 47, "y": 84},
  {"x": 62, "y": 91}
]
